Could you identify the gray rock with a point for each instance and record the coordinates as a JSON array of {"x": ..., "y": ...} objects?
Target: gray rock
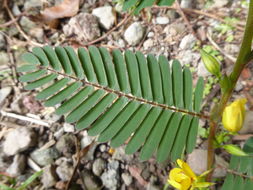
[
  {"x": 134, "y": 33},
  {"x": 18, "y": 140},
  {"x": 49, "y": 177},
  {"x": 120, "y": 154},
  {"x": 219, "y": 3},
  {"x": 4, "y": 93},
  {"x": 68, "y": 128},
  {"x": 231, "y": 48},
  {"x": 197, "y": 162},
  {"x": 64, "y": 171},
  {"x": 85, "y": 26},
  {"x": 186, "y": 3},
  {"x": 247, "y": 126},
  {"x": 33, "y": 4},
  {"x": 4, "y": 59},
  {"x": 98, "y": 166},
  {"x": 202, "y": 71},
  {"x": 44, "y": 157},
  {"x": 110, "y": 178},
  {"x": 86, "y": 139},
  {"x": 162, "y": 20},
  {"x": 187, "y": 42},
  {"x": 27, "y": 24},
  {"x": 238, "y": 86},
  {"x": 127, "y": 178},
  {"x": 91, "y": 181},
  {"x": 148, "y": 44},
  {"x": 102, "y": 148},
  {"x": 37, "y": 33},
  {"x": 66, "y": 145},
  {"x": 105, "y": 16},
  {"x": 2, "y": 41},
  {"x": 18, "y": 165},
  {"x": 188, "y": 57}
]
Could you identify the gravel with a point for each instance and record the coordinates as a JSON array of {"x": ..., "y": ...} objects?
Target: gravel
[
  {"x": 4, "y": 93},
  {"x": 98, "y": 166},
  {"x": 187, "y": 42},
  {"x": 91, "y": 181},
  {"x": 66, "y": 145},
  {"x": 18, "y": 140},
  {"x": 18, "y": 165},
  {"x": 44, "y": 157},
  {"x": 105, "y": 16},
  {"x": 134, "y": 33},
  {"x": 64, "y": 171},
  {"x": 84, "y": 26},
  {"x": 49, "y": 177}
]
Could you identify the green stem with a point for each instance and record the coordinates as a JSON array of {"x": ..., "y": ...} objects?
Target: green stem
[{"x": 245, "y": 55}]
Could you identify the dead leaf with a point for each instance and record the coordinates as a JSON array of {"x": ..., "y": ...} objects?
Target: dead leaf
[
  {"x": 136, "y": 173},
  {"x": 67, "y": 8}
]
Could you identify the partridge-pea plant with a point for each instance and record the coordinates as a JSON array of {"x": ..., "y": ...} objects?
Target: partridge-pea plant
[{"x": 147, "y": 102}]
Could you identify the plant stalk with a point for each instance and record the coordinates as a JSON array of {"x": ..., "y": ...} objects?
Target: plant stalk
[{"x": 244, "y": 57}]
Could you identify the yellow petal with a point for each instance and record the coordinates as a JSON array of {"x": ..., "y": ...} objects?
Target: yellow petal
[
  {"x": 175, "y": 184},
  {"x": 233, "y": 115},
  {"x": 174, "y": 173},
  {"x": 202, "y": 184},
  {"x": 186, "y": 168},
  {"x": 186, "y": 183}
]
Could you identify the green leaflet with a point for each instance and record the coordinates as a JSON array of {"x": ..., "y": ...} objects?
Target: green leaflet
[{"x": 120, "y": 97}]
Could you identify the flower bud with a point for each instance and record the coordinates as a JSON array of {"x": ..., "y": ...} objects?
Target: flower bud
[
  {"x": 211, "y": 64},
  {"x": 233, "y": 115}
]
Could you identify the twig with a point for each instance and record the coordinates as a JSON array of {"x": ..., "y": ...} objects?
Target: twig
[
  {"x": 216, "y": 46},
  {"x": 142, "y": 41},
  {"x": 199, "y": 12},
  {"x": 12, "y": 21},
  {"x": 127, "y": 18},
  {"x": 5, "y": 4},
  {"x": 181, "y": 12},
  {"x": 80, "y": 154},
  {"x": 24, "y": 118}
]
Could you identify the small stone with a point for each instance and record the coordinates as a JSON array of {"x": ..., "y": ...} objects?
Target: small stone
[
  {"x": 148, "y": 44},
  {"x": 33, "y": 4},
  {"x": 202, "y": 71},
  {"x": 86, "y": 139},
  {"x": 110, "y": 178},
  {"x": 219, "y": 4},
  {"x": 197, "y": 162},
  {"x": 98, "y": 166},
  {"x": 2, "y": 42},
  {"x": 231, "y": 48},
  {"x": 105, "y": 16},
  {"x": 44, "y": 157},
  {"x": 68, "y": 128},
  {"x": 91, "y": 181},
  {"x": 64, "y": 171},
  {"x": 49, "y": 177},
  {"x": 27, "y": 24},
  {"x": 188, "y": 57},
  {"x": 120, "y": 154},
  {"x": 162, "y": 20},
  {"x": 127, "y": 179},
  {"x": 151, "y": 186},
  {"x": 37, "y": 33},
  {"x": 18, "y": 140},
  {"x": 18, "y": 165},
  {"x": 66, "y": 145},
  {"x": 4, "y": 93},
  {"x": 4, "y": 59},
  {"x": 102, "y": 148},
  {"x": 134, "y": 33},
  {"x": 151, "y": 34},
  {"x": 239, "y": 86},
  {"x": 186, "y": 4},
  {"x": 85, "y": 26},
  {"x": 187, "y": 42}
]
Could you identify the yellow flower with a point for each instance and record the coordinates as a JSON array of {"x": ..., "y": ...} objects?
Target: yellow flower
[
  {"x": 233, "y": 115},
  {"x": 184, "y": 178}
]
